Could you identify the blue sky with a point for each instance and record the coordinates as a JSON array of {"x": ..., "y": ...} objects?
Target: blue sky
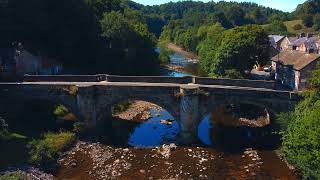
[{"x": 285, "y": 5}]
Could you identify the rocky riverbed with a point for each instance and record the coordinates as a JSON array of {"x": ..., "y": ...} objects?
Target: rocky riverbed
[{"x": 89, "y": 160}]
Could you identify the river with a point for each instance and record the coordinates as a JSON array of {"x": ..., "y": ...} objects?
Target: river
[{"x": 149, "y": 150}]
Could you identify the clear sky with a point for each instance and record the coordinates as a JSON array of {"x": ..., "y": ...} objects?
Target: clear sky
[{"x": 285, "y": 5}]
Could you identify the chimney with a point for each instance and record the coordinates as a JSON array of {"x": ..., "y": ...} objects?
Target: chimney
[{"x": 302, "y": 35}]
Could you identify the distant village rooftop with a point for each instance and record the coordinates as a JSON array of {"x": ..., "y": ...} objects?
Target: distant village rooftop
[{"x": 297, "y": 59}]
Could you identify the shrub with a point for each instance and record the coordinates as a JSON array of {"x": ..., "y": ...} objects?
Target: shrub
[
  {"x": 45, "y": 151},
  {"x": 61, "y": 111},
  {"x": 297, "y": 27}
]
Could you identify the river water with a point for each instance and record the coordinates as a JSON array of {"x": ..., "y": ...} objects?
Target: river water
[{"x": 149, "y": 150}]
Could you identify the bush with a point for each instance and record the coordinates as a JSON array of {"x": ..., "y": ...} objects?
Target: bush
[
  {"x": 308, "y": 21},
  {"x": 297, "y": 27},
  {"x": 45, "y": 151},
  {"x": 233, "y": 74},
  {"x": 61, "y": 111},
  {"x": 301, "y": 145}
]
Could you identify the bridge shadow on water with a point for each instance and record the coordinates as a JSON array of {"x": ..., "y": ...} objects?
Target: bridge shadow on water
[
  {"x": 37, "y": 117},
  {"x": 154, "y": 133}
]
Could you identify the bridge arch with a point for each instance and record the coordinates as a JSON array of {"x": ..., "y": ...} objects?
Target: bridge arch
[{"x": 173, "y": 109}]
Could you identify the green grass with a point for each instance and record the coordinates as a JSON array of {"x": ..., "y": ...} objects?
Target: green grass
[
  {"x": 44, "y": 152},
  {"x": 60, "y": 141},
  {"x": 291, "y": 24}
]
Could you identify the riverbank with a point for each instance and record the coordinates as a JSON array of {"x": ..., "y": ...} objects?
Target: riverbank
[{"x": 177, "y": 49}]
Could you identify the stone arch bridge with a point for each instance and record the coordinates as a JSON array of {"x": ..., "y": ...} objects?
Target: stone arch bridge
[{"x": 188, "y": 99}]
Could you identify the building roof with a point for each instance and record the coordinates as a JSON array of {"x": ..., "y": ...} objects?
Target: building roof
[
  {"x": 274, "y": 39},
  {"x": 292, "y": 39},
  {"x": 310, "y": 43},
  {"x": 297, "y": 59}
]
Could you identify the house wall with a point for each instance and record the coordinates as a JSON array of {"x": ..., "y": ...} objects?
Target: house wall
[
  {"x": 302, "y": 47},
  {"x": 305, "y": 74},
  {"x": 284, "y": 44},
  {"x": 285, "y": 75}
]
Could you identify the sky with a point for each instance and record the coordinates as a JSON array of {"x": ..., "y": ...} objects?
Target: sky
[{"x": 284, "y": 5}]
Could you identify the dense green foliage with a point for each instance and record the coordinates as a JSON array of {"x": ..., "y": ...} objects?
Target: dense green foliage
[
  {"x": 230, "y": 53},
  {"x": 309, "y": 12},
  {"x": 44, "y": 152},
  {"x": 223, "y": 53},
  {"x": 76, "y": 33},
  {"x": 201, "y": 28},
  {"x": 277, "y": 26},
  {"x": 194, "y": 14},
  {"x": 301, "y": 144}
]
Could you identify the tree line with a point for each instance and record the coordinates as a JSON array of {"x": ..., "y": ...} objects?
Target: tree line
[
  {"x": 309, "y": 12},
  {"x": 96, "y": 36}
]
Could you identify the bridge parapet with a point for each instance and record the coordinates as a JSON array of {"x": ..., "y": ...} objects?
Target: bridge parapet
[
  {"x": 235, "y": 82},
  {"x": 64, "y": 78},
  {"x": 152, "y": 79}
]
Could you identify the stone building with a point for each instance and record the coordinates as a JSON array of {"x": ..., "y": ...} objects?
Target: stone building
[
  {"x": 304, "y": 43},
  {"x": 17, "y": 61},
  {"x": 292, "y": 68}
]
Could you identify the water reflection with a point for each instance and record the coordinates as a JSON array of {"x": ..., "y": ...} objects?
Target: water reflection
[
  {"x": 152, "y": 132},
  {"x": 204, "y": 129},
  {"x": 167, "y": 72},
  {"x": 216, "y": 134}
]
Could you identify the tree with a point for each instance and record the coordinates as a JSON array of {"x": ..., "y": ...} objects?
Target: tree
[
  {"x": 236, "y": 15},
  {"x": 240, "y": 49},
  {"x": 308, "y": 20},
  {"x": 277, "y": 27},
  {"x": 211, "y": 36},
  {"x": 114, "y": 26},
  {"x": 316, "y": 22}
]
